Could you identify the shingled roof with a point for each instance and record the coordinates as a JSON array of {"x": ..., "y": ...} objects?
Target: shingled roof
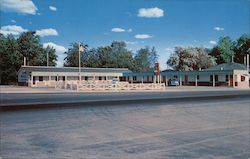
[{"x": 73, "y": 69}]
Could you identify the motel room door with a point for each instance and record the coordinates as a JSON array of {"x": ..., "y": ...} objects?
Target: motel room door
[
  {"x": 186, "y": 80},
  {"x": 231, "y": 80},
  {"x": 34, "y": 80}
]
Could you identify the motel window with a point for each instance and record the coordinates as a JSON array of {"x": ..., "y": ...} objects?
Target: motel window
[
  {"x": 242, "y": 78},
  {"x": 211, "y": 77},
  {"x": 216, "y": 77},
  {"x": 40, "y": 78},
  {"x": 147, "y": 78},
  {"x": 226, "y": 78},
  {"x": 175, "y": 76},
  {"x": 100, "y": 78},
  {"x": 134, "y": 78}
]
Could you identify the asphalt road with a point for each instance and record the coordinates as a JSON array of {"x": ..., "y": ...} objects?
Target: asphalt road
[
  {"x": 14, "y": 99},
  {"x": 190, "y": 129}
]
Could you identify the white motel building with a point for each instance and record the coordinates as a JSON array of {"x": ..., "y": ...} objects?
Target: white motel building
[{"x": 227, "y": 74}]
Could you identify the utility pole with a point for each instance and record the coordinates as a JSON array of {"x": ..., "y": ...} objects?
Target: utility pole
[
  {"x": 245, "y": 60},
  {"x": 24, "y": 61},
  {"x": 80, "y": 49},
  {"x": 47, "y": 59}
]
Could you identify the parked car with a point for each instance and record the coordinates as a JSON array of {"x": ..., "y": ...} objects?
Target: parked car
[
  {"x": 115, "y": 80},
  {"x": 173, "y": 82}
]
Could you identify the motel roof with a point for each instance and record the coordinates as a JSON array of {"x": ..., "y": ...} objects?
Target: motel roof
[
  {"x": 72, "y": 69},
  {"x": 222, "y": 69}
]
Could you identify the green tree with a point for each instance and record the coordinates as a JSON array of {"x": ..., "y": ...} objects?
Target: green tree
[
  {"x": 145, "y": 60},
  {"x": 9, "y": 59},
  {"x": 72, "y": 55},
  {"x": 215, "y": 53},
  {"x": 90, "y": 58},
  {"x": 51, "y": 55},
  {"x": 14, "y": 49},
  {"x": 104, "y": 56},
  {"x": 242, "y": 48},
  {"x": 121, "y": 56},
  {"x": 115, "y": 55},
  {"x": 226, "y": 48},
  {"x": 29, "y": 47},
  {"x": 186, "y": 59}
]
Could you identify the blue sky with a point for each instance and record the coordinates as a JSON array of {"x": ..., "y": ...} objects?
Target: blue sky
[{"x": 160, "y": 23}]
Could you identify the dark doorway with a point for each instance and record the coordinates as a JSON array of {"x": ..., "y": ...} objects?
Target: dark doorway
[
  {"x": 186, "y": 80},
  {"x": 34, "y": 80}
]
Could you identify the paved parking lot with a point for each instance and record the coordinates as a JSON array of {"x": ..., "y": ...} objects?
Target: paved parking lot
[{"x": 198, "y": 129}]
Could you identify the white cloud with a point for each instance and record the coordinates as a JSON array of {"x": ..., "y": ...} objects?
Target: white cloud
[
  {"x": 169, "y": 49},
  {"x": 12, "y": 29},
  {"x": 13, "y": 21},
  {"x": 151, "y": 12},
  {"x": 218, "y": 28},
  {"x": 59, "y": 48},
  {"x": 59, "y": 51},
  {"x": 19, "y": 6},
  {"x": 130, "y": 30},
  {"x": 117, "y": 30},
  {"x": 212, "y": 42},
  {"x": 142, "y": 36},
  {"x": 131, "y": 42},
  {"x": 47, "y": 32},
  {"x": 53, "y": 8}
]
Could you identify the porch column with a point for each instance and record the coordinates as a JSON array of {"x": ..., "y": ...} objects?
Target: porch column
[
  {"x": 65, "y": 82},
  {"x": 48, "y": 82},
  {"x": 160, "y": 78},
  {"x": 234, "y": 80},
  {"x": 166, "y": 78},
  {"x": 142, "y": 79},
  {"x": 213, "y": 80},
  {"x": 180, "y": 80},
  {"x": 196, "y": 80},
  {"x": 31, "y": 84}
]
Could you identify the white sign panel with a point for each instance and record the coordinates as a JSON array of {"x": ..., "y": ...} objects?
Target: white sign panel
[{"x": 23, "y": 76}]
